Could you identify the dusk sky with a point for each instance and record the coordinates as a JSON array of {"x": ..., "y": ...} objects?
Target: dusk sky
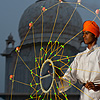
[{"x": 10, "y": 14}]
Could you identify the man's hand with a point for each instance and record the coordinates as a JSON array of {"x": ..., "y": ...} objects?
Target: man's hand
[{"x": 90, "y": 85}]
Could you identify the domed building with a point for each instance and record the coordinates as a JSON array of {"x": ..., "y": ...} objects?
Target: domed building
[{"x": 47, "y": 38}]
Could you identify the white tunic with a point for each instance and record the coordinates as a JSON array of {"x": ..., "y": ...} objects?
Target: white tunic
[{"x": 85, "y": 67}]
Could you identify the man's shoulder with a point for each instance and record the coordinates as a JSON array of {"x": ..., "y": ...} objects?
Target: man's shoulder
[{"x": 81, "y": 53}]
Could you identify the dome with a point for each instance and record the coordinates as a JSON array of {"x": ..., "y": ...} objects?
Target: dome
[{"x": 33, "y": 13}]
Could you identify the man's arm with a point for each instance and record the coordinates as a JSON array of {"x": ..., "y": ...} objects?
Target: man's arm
[{"x": 69, "y": 77}]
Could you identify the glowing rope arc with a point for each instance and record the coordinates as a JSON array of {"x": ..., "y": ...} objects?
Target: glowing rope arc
[{"x": 41, "y": 77}]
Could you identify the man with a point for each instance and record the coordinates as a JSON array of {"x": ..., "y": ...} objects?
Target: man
[{"x": 86, "y": 66}]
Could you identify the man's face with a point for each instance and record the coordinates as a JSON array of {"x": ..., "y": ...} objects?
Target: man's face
[{"x": 88, "y": 37}]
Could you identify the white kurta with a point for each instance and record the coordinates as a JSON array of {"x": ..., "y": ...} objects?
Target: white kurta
[{"x": 85, "y": 67}]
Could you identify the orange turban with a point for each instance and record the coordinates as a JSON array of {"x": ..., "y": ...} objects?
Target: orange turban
[{"x": 92, "y": 27}]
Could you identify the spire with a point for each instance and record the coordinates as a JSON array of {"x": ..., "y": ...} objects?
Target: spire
[
  {"x": 10, "y": 41},
  {"x": 10, "y": 37}
]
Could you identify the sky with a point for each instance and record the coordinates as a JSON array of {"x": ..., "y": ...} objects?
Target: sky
[{"x": 10, "y": 14}]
